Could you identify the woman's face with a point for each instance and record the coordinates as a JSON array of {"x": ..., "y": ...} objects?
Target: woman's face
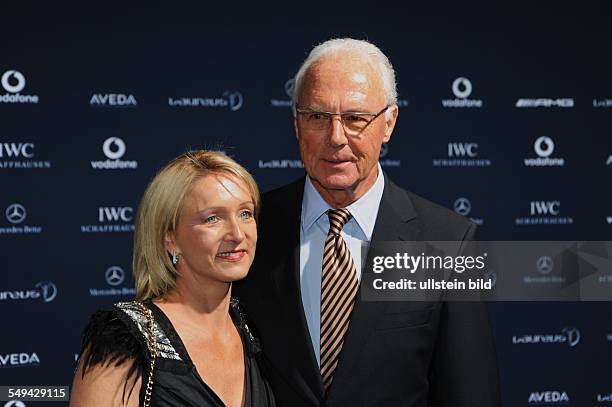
[{"x": 216, "y": 233}]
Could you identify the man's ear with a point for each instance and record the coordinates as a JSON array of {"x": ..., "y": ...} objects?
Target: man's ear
[
  {"x": 390, "y": 120},
  {"x": 295, "y": 126}
]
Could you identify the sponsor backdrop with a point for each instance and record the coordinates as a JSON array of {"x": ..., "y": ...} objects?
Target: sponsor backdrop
[{"x": 505, "y": 117}]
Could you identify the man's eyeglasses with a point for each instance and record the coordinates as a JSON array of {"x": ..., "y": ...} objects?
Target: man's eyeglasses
[{"x": 352, "y": 122}]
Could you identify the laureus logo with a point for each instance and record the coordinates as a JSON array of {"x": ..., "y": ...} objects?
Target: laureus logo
[{"x": 231, "y": 100}]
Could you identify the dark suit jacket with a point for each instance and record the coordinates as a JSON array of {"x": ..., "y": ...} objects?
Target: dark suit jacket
[{"x": 394, "y": 353}]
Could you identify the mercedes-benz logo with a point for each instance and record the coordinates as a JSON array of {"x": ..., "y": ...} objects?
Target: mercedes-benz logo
[
  {"x": 18, "y": 76},
  {"x": 116, "y": 152},
  {"x": 14, "y": 403},
  {"x": 234, "y": 99},
  {"x": 462, "y": 87},
  {"x": 462, "y": 206},
  {"x": 545, "y": 264},
  {"x": 544, "y": 146},
  {"x": 15, "y": 213},
  {"x": 289, "y": 85},
  {"x": 384, "y": 150},
  {"x": 114, "y": 275}
]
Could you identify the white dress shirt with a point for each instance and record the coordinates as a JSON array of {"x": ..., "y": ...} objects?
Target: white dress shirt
[{"x": 313, "y": 232}]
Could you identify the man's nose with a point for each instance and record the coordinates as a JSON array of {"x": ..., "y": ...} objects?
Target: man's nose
[{"x": 337, "y": 134}]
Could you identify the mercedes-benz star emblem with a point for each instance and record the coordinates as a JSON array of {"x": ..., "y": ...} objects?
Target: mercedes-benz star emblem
[
  {"x": 15, "y": 213},
  {"x": 462, "y": 206},
  {"x": 114, "y": 275},
  {"x": 289, "y": 87},
  {"x": 545, "y": 264}
]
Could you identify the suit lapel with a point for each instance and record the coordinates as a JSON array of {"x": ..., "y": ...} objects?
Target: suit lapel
[
  {"x": 300, "y": 365},
  {"x": 396, "y": 220}
]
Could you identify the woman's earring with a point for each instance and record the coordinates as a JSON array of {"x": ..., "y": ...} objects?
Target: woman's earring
[{"x": 174, "y": 258}]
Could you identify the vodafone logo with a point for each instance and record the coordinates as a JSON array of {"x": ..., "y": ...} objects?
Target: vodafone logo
[
  {"x": 462, "y": 87},
  {"x": 13, "y": 81},
  {"x": 462, "y": 90},
  {"x": 113, "y": 148},
  {"x": 544, "y": 146}
]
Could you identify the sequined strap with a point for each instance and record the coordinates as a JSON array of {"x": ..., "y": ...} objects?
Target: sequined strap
[{"x": 164, "y": 347}]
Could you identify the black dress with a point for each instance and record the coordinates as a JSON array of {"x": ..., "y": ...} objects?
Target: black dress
[{"x": 119, "y": 335}]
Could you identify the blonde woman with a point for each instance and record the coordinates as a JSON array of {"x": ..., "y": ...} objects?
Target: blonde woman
[{"x": 184, "y": 341}]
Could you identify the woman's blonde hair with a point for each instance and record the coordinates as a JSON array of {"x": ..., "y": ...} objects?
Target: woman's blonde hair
[{"x": 159, "y": 210}]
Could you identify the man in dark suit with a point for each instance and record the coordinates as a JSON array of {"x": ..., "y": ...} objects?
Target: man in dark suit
[{"x": 323, "y": 345}]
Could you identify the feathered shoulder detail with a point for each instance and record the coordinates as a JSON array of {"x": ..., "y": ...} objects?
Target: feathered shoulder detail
[{"x": 109, "y": 341}]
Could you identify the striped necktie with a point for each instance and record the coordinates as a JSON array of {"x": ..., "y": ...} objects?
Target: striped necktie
[{"x": 338, "y": 291}]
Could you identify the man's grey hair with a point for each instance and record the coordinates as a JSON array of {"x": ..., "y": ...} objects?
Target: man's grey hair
[{"x": 361, "y": 48}]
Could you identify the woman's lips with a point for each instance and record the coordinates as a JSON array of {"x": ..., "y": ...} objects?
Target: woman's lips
[{"x": 234, "y": 255}]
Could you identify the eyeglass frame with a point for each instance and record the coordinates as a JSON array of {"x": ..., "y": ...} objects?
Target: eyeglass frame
[{"x": 331, "y": 115}]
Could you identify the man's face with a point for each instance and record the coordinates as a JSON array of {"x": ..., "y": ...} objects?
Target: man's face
[{"x": 333, "y": 159}]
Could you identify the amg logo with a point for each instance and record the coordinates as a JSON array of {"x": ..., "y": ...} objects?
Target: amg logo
[
  {"x": 545, "y": 207},
  {"x": 112, "y": 99},
  {"x": 462, "y": 149},
  {"x": 115, "y": 214},
  {"x": 19, "y": 359},
  {"x": 563, "y": 102},
  {"x": 17, "y": 150},
  {"x": 548, "y": 397}
]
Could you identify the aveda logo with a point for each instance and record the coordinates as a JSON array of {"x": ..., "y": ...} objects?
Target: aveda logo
[
  {"x": 112, "y": 100},
  {"x": 19, "y": 155},
  {"x": 14, "y": 82},
  {"x": 19, "y": 359},
  {"x": 548, "y": 397}
]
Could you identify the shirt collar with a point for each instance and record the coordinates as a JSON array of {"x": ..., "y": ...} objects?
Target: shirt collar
[{"x": 363, "y": 210}]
